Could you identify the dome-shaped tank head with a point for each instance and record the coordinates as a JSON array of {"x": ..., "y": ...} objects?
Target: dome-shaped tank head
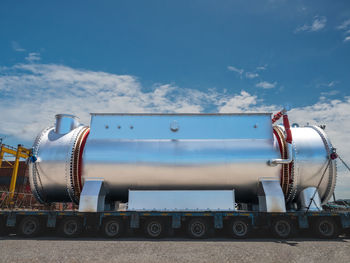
[{"x": 66, "y": 123}]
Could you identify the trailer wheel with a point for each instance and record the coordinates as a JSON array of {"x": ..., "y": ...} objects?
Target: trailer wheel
[
  {"x": 282, "y": 228},
  {"x": 326, "y": 228},
  {"x": 197, "y": 228},
  {"x": 71, "y": 227},
  {"x": 154, "y": 228},
  {"x": 239, "y": 228},
  {"x": 29, "y": 227},
  {"x": 112, "y": 228}
]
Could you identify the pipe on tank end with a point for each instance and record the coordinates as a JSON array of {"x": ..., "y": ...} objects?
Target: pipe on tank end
[
  {"x": 289, "y": 139},
  {"x": 65, "y": 123},
  {"x": 275, "y": 162}
]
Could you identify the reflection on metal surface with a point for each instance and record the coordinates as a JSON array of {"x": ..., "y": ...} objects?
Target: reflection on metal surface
[
  {"x": 306, "y": 201},
  {"x": 191, "y": 200},
  {"x": 271, "y": 197},
  {"x": 216, "y": 152},
  {"x": 92, "y": 197}
]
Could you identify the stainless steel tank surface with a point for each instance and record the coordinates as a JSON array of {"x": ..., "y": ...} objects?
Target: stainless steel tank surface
[{"x": 177, "y": 152}]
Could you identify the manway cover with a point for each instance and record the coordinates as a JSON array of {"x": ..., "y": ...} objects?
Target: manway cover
[{"x": 185, "y": 200}]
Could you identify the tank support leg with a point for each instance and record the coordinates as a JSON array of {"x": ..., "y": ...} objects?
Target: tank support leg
[
  {"x": 309, "y": 200},
  {"x": 92, "y": 198},
  {"x": 271, "y": 197}
]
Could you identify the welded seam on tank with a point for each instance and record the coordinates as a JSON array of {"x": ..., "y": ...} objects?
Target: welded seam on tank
[
  {"x": 71, "y": 191},
  {"x": 75, "y": 164},
  {"x": 285, "y": 167},
  {"x": 69, "y": 166},
  {"x": 294, "y": 170},
  {"x": 332, "y": 166},
  {"x": 34, "y": 169},
  {"x": 328, "y": 146}
]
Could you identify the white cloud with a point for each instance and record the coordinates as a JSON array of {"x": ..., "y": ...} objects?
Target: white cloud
[
  {"x": 266, "y": 85},
  {"x": 248, "y": 74},
  {"x": 318, "y": 24},
  {"x": 237, "y": 103},
  {"x": 251, "y": 75},
  {"x": 332, "y": 83},
  {"x": 262, "y": 68},
  {"x": 33, "y": 56},
  {"x": 31, "y": 95},
  {"x": 344, "y": 25},
  {"x": 16, "y": 47},
  {"x": 234, "y": 69},
  {"x": 330, "y": 93}
]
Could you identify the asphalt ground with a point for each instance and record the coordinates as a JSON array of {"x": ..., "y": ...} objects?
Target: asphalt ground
[{"x": 175, "y": 249}]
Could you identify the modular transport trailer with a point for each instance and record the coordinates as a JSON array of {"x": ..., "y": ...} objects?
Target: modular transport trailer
[
  {"x": 201, "y": 172},
  {"x": 238, "y": 224}
]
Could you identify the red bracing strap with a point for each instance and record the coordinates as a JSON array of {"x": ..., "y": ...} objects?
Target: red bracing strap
[
  {"x": 287, "y": 128},
  {"x": 277, "y": 116}
]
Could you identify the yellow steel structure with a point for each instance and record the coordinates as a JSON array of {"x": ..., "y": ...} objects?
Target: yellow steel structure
[{"x": 18, "y": 153}]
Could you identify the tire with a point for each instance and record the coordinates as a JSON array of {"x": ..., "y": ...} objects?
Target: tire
[
  {"x": 29, "y": 227},
  {"x": 197, "y": 228},
  {"x": 239, "y": 228},
  {"x": 71, "y": 227},
  {"x": 154, "y": 228},
  {"x": 282, "y": 228},
  {"x": 326, "y": 228},
  {"x": 112, "y": 228}
]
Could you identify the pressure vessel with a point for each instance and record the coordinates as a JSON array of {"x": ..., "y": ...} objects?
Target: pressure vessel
[{"x": 178, "y": 152}]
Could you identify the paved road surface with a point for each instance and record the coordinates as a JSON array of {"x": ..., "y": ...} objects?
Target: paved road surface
[{"x": 45, "y": 249}]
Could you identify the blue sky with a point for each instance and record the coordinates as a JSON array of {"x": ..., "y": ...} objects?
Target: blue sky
[
  {"x": 190, "y": 43},
  {"x": 174, "y": 56}
]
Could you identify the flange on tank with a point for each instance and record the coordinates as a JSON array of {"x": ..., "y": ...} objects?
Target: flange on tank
[
  {"x": 122, "y": 152},
  {"x": 56, "y": 174}
]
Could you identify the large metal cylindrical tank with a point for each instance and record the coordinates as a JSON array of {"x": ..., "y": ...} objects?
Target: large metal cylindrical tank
[{"x": 177, "y": 152}]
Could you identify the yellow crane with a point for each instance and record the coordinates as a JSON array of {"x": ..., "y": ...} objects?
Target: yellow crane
[{"x": 19, "y": 152}]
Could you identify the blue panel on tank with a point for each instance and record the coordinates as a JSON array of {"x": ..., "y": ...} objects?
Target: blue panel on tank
[{"x": 180, "y": 126}]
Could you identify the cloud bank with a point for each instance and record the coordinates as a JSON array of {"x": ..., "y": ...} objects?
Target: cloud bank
[
  {"x": 32, "y": 93},
  {"x": 345, "y": 26},
  {"x": 317, "y": 24}
]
